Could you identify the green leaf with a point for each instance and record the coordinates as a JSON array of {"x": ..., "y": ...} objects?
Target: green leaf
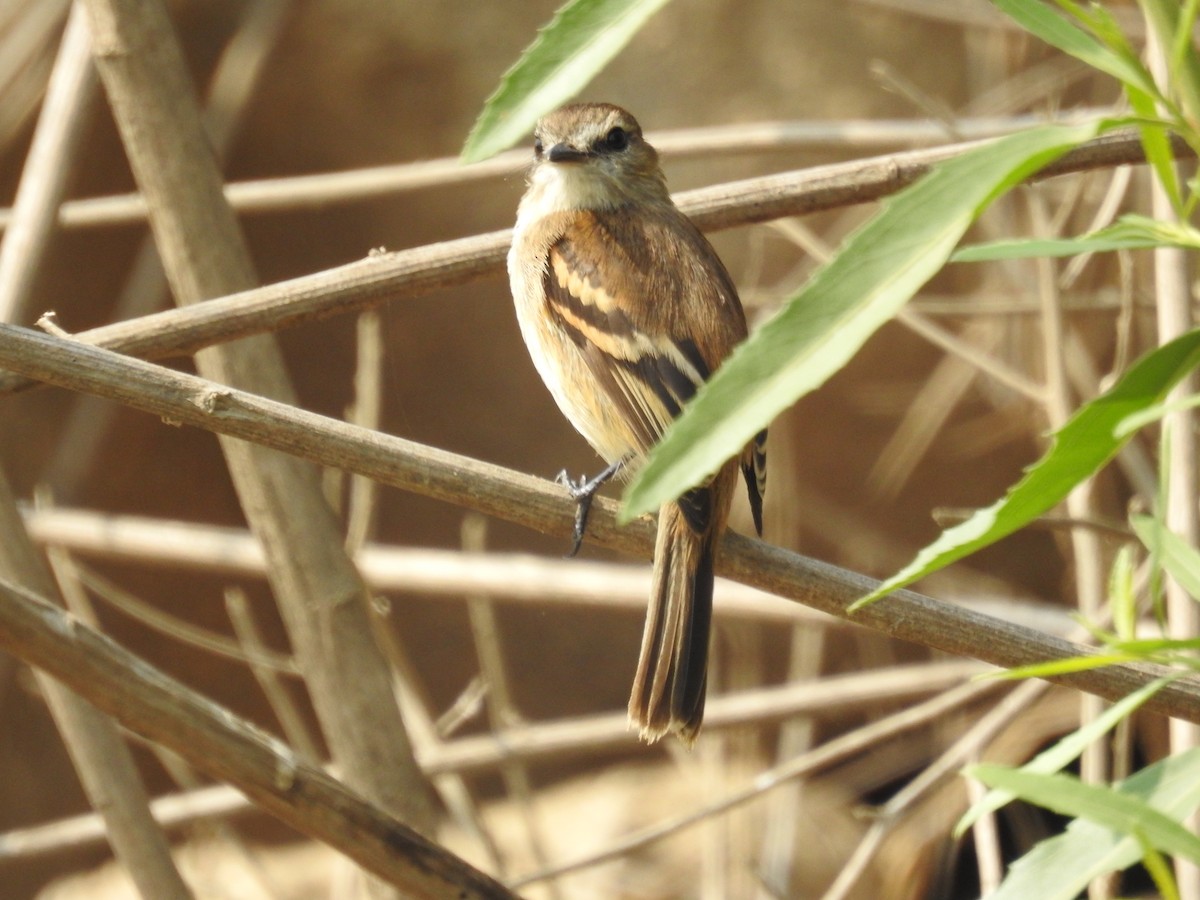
[
  {"x": 1061, "y": 867},
  {"x": 1100, "y": 804},
  {"x": 1153, "y": 413},
  {"x": 1131, "y": 232},
  {"x": 579, "y": 41},
  {"x": 1157, "y": 146},
  {"x": 816, "y": 332},
  {"x": 1041, "y": 21},
  {"x": 1079, "y": 449},
  {"x": 1176, "y": 555},
  {"x": 1160, "y": 871},
  {"x": 1122, "y": 593},
  {"x": 1065, "y": 751},
  {"x": 1068, "y": 666}
]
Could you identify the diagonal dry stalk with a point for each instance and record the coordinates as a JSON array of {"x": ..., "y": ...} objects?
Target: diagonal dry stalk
[
  {"x": 104, "y": 763},
  {"x": 220, "y": 744},
  {"x": 321, "y": 596}
]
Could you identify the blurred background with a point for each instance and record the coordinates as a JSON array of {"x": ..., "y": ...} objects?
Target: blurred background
[{"x": 912, "y": 425}]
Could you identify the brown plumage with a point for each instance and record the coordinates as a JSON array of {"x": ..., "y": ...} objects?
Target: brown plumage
[{"x": 627, "y": 310}]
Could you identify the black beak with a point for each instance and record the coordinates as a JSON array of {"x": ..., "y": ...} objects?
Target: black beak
[{"x": 565, "y": 153}]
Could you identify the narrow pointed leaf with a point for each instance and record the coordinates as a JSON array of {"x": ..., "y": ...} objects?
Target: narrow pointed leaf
[
  {"x": 1130, "y": 233},
  {"x": 1061, "y": 867},
  {"x": 579, "y": 41},
  {"x": 818, "y": 330},
  {"x": 1079, "y": 449},
  {"x": 1100, "y": 804},
  {"x": 1177, "y": 556},
  {"x": 1040, "y": 20},
  {"x": 1064, "y": 752}
]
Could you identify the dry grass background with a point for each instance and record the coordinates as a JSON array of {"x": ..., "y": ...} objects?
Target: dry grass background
[{"x": 940, "y": 410}]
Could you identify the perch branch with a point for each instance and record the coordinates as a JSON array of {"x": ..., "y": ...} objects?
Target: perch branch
[{"x": 543, "y": 506}]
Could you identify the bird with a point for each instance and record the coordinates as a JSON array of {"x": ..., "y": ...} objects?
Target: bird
[{"x": 626, "y": 310}]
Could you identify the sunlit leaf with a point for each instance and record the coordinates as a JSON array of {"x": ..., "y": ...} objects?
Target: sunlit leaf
[
  {"x": 1042, "y": 21},
  {"x": 1177, "y": 556},
  {"x": 579, "y": 41},
  {"x": 1079, "y": 449},
  {"x": 1061, "y": 867},
  {"x": 1065, "y": 751},
  {"x": 818, "y": 330},
  {"x": 1105, "y": 806},
  {"x": 1132, "y": 232}
]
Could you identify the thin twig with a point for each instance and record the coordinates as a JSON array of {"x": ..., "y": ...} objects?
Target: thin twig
[
  {"x": 827, "y": 754},
  {"x": 178, "y": 629},
  {"x": 253, "y": 647},
  {"x": 56, "y": 142}
]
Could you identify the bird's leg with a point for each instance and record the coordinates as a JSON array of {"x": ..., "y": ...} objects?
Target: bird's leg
[{"x": 582, "y": 492}]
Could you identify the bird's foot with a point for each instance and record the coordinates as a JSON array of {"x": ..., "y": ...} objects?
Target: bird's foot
[{"x": 583, "y": 491}]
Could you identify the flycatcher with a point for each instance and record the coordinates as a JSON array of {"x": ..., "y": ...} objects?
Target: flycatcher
[{"x": 627, "y": 310}]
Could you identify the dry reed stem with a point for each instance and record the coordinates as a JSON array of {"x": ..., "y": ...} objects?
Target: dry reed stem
[
  {"x": 807, "y": 764},
  {"x": 319, "y": 191},
  {"x": 220, "y": 744},
  {"x": 543, "y": 506},
  {"x": 145, "y": 287},
  {"x": 519, "y": 577},
  {"x": 872, "y": 690},
  {"x": 321, "y": 597},
  {"x": 383, "y": 276},
  {"x": 103, "y": 762},
  {"x": 56, "y": 142},
  {"x": 86, "y": 830},
  {"x": 1174, "y": 292}
]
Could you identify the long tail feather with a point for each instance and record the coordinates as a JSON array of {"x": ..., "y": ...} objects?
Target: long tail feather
[{"x": 672, "y": 673}]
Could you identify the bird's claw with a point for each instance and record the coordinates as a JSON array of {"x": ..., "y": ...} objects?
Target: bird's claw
[{"x": 583, "y": 492}]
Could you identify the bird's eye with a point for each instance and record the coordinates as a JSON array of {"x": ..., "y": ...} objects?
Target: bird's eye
[
  {"x": 537, "y": 147},
  {"x": 617, "y": 139}
]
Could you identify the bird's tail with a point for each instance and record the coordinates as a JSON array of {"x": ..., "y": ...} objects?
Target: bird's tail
[{"x": 672, "y": 672}]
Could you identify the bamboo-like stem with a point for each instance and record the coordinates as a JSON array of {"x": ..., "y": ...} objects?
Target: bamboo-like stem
[
  {"x": 220, "y": 744},
  {"x": 321, "y": 596},
  {"x": 145, "y": 287},
  {"x": 56, "y": 142},
  {"x": 544, "y": 506},
  {"x": 103, "y": 761},
  {"x": 1173, "y": 302},
  {"x": 319, "y": 191},
  {"x": 382, "y": 277}
]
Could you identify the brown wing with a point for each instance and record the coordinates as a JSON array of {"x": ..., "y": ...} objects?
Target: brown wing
[
  {"x": 652, "y": 324},
  {"x": 653, "y": 312}
]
